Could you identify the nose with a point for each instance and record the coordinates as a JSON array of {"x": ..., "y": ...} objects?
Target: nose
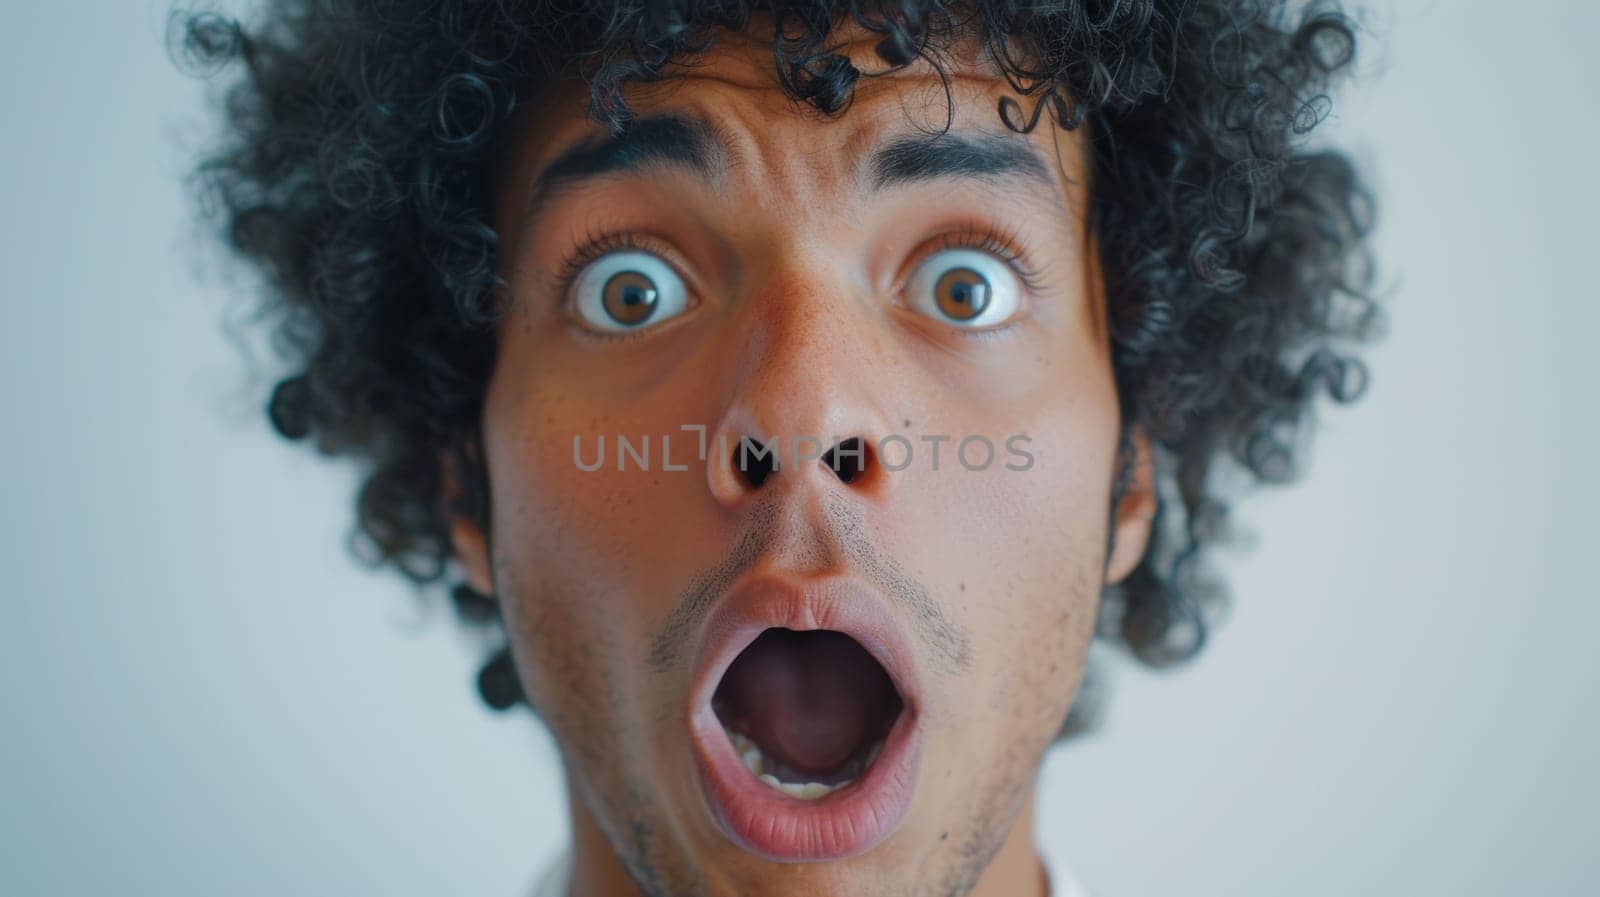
[{"x": 807, "y": 408}]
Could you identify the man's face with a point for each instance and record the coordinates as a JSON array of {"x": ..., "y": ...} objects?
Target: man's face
[{"x": 758, "y": 270}]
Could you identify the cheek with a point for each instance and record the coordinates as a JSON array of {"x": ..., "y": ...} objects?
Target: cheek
[
  {"x": 584, "y": 558},
  {"x": 1019, "y": 553},
  {"x": 1059, "y": 546},
  {"x": 555, "y": 446}
]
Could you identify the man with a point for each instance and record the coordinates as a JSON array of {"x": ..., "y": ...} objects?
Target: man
[{"x": 798, "y": 387}]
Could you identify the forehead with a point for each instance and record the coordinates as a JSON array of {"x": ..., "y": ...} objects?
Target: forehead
[{"x": 782, "y": 150}]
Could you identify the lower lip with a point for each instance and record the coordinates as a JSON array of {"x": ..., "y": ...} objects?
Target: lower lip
[{"x": 838, "y": 825}]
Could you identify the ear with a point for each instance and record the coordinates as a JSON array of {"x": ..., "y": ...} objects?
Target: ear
[
  {"x": 468, "y": 542},
  {"x": 1132, "y": 520}
]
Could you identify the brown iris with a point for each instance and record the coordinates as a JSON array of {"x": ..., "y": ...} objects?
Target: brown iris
[
  {"x": 962, "y": 293},
  {"x": 630, "y": 298}
]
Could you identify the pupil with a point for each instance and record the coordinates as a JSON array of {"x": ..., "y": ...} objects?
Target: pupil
[{"x": 630, "y": 297}]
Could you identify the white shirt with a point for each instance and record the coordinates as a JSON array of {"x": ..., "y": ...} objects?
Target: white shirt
[{"x": 553, "y": 883}]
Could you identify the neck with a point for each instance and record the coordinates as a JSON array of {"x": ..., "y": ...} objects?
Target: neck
[
  {"x": 596, "y": 871},
  {"x": 1014, "y": 871}
]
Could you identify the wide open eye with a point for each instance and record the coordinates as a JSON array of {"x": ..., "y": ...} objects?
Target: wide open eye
[
  {"x": 628, "y": 290},
  {"x": 966, "y": 287}
]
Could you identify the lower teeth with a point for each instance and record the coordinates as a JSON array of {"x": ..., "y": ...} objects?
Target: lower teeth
[{"x": 756, "y": 762}]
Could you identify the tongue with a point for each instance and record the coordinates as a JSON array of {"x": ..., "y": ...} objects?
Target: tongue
[{"x": 809, "y": 699}]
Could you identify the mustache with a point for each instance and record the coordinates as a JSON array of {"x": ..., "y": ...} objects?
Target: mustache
[{"x": 841, "y": 533}]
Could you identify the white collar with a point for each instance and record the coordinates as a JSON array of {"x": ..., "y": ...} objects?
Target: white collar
[{"x": 553, "y": 883}]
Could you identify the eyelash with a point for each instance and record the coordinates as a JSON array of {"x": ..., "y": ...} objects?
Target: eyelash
[
  {"x": 997, "y": 241},
  {"x": 993, "y": 239},
  {"x": 591, "y": 246}
]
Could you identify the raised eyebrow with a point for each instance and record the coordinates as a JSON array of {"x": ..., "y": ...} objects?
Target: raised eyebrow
[
  {"x": 691, "y": 143},
  {"x": 958, "y": 154},
  {"x": 669, "y": 139}
]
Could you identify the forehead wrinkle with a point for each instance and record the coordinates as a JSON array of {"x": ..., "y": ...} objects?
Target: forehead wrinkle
[
  {"x": 749, "y": 51},
  {"x": 743, "y": 59},
  {"x": 767, "y": 81},
  {"x": 870, "y": 90},
  {"x": 733, "y": 112},
  {"x": 758, "y": 167}
]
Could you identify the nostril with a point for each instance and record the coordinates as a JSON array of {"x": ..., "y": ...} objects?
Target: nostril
[
  {"x": 754, "y": 461},
  {"x": 848, "y": 459}
]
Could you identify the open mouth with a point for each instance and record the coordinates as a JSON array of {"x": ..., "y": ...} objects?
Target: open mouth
[
  {"x": 807, "y": 711},
  {"x": 804, "y": 720}
]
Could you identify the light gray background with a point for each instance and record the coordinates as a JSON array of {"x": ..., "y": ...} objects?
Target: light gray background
[{"x": 203, "y": 695}]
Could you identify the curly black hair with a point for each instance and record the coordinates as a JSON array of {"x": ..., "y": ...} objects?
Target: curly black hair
[{"x": 358, "y": 169}]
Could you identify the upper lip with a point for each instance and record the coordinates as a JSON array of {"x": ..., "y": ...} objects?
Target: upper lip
[{"x": 837, "y": 603}]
